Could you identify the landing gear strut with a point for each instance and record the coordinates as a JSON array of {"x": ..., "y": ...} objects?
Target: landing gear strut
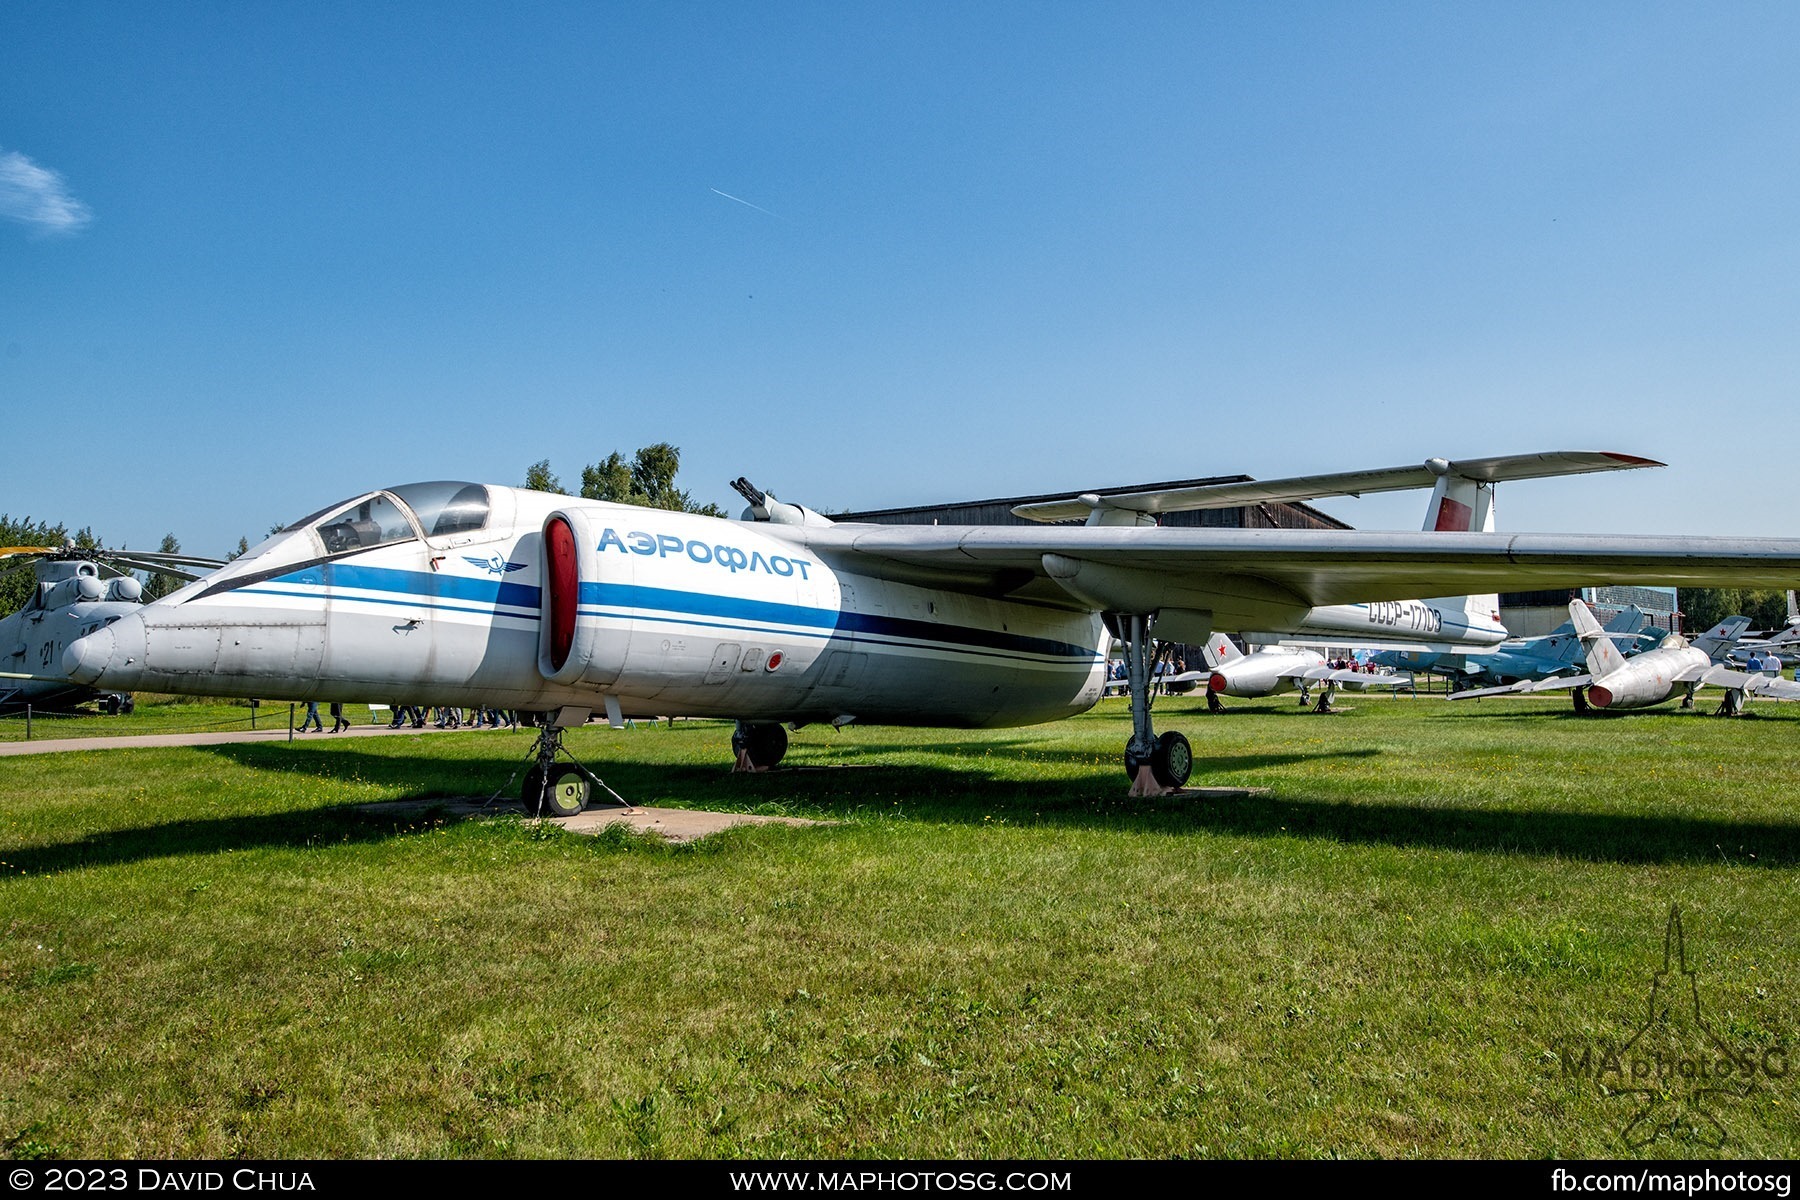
[
  {"x": 554, "y": 789},
  {"x": 1325, "y": 697},
  {"x": 1578, "y": 698},
  {"x": 1157, "y": 765},
  {"x": 1732, "y": 705}
]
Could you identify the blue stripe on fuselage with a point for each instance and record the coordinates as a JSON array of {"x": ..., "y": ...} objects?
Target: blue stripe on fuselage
[{"x": 423, "y": 585}]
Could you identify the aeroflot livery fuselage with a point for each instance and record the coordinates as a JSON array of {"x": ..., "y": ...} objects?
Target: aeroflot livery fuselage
[{"x": 461, "y": 593}]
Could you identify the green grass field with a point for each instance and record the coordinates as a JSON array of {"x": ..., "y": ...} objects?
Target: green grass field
[{"x": 991, "y": 952}]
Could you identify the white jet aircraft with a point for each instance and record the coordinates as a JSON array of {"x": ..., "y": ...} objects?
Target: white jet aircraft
[
  {"x": 1618, "y": 683},
  {"x": 463, "y": 593},
  {"x": 1277, "y": 670}
]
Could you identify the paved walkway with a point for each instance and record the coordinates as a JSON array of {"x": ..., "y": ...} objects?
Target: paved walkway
[{"x": 215, "y": 738}]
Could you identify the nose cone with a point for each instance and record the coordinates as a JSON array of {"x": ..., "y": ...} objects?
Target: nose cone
[
  {"x": 1217, "y": 683},
  {"x": 85, "y": 659},
  {"x": 112, "y": 656}
]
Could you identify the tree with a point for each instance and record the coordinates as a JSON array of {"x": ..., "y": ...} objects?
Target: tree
[
  {"x": 1702, "y": 608},
  {"x": 648, "y": 481},
  {"x": 609, "y": 480},
  {"x": 540, "y": 478},
  {"x": 243, "y": 548},
  {"x": 161, "y": 585}
]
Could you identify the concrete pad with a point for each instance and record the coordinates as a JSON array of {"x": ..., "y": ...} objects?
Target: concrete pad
[{"x": 673, "y": 824}]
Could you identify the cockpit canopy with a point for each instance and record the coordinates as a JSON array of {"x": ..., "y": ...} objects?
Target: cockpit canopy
[{"x": 436, "y": 509}]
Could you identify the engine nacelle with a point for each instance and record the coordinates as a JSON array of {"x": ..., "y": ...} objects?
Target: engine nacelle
[
  {"x": 572, "y": 648},
  {"x": 73, "y": 591}
]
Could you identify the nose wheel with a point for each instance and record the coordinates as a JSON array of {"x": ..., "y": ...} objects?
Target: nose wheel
[{"x": 553, "y": 789}]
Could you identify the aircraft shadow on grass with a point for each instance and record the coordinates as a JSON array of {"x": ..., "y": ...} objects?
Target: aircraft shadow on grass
[{"x": 947, "y": 794}]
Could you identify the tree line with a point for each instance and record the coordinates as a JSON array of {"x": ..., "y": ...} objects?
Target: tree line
[{"x": 648, "y": 481}]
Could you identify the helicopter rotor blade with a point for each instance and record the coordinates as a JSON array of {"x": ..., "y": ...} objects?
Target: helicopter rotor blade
[{"x": 155, "y": 568}]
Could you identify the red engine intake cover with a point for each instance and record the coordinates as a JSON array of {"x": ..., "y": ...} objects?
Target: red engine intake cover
[{"x": 565, "y": 588}]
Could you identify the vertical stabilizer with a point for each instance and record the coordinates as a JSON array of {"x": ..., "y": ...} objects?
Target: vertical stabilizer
[
  {"x": 1603, "y": 658},
  {"x": 1220, "y": 649},
  {"x": 1721, "y": 637},
  {"x": 1460, "y": 504}
]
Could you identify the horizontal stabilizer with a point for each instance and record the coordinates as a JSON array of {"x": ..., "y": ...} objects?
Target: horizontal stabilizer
[{"x": 1154, "y": 501}]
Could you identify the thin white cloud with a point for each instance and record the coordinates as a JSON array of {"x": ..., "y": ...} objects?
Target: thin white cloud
[{"x": 36, "y": 197}]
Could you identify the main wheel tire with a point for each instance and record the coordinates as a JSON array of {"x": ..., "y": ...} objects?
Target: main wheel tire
[
  {"x": 763, "y": 745},
  {"x": 1170, "y": 763},
  {"x": 568, "y": 792},
  {"x": 1173, "y": 761}
]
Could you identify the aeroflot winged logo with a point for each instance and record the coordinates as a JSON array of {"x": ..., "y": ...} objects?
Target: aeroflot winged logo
[{"x": 493, "y": 564}]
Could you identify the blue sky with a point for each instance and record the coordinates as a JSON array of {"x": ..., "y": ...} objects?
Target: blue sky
[{"x": 257, "y": 257}]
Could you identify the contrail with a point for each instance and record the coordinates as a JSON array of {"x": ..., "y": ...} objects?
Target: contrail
[{"x": 759, "y": 208}]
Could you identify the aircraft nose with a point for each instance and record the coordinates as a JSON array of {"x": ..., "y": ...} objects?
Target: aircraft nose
[
  {"x": 1216, "y": 683},
  {"x": 84, "y": 660},
  {"x": 112, "y": 656}
]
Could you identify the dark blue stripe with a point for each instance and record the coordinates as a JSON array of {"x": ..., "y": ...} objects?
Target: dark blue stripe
[
  {"x": 848, "y": 624},
  {"x": 436, "y": 585}
]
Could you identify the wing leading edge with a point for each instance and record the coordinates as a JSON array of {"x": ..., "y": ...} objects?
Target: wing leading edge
[{"x": 1257, "y": 578}]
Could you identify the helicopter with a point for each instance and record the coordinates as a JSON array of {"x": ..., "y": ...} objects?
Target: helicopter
[{"x": 79, "y": 589}]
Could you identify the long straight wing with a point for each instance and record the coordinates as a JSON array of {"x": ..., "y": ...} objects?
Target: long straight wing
[{"x": 1145, "y": 569}]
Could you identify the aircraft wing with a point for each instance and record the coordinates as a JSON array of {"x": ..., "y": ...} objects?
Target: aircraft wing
[
  {"x": 1240, "y": 573},
  {"x": 1555, "y": 684},
  {"x": 1339, "y": 483},
  {"x": 1357, "y": 642},
  {"x": 1752, "y": 684},
  {"x": 1361, "y": 679}
]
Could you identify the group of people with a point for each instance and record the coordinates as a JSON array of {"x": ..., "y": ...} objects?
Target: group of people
[
  {"x": 312, "y": 724},
  {"x": 1763, "y": 662},
  {"x": 442, "y": 717},
  {"x": 451, "y": 717}
]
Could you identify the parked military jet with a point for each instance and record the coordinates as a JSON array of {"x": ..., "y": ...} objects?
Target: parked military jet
[
  {"x": 1677, "y": 666},
  {"x": 785, "y": 617},
  {"x": 1555, "y": 653},
  {"x": 1277, "y": 670}
]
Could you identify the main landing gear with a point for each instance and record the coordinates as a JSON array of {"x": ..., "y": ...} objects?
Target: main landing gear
[
  {"x": 1156, "y": 765},
  {"x": 758, "y": 746},
  {"x": 554, "y": 789}
]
